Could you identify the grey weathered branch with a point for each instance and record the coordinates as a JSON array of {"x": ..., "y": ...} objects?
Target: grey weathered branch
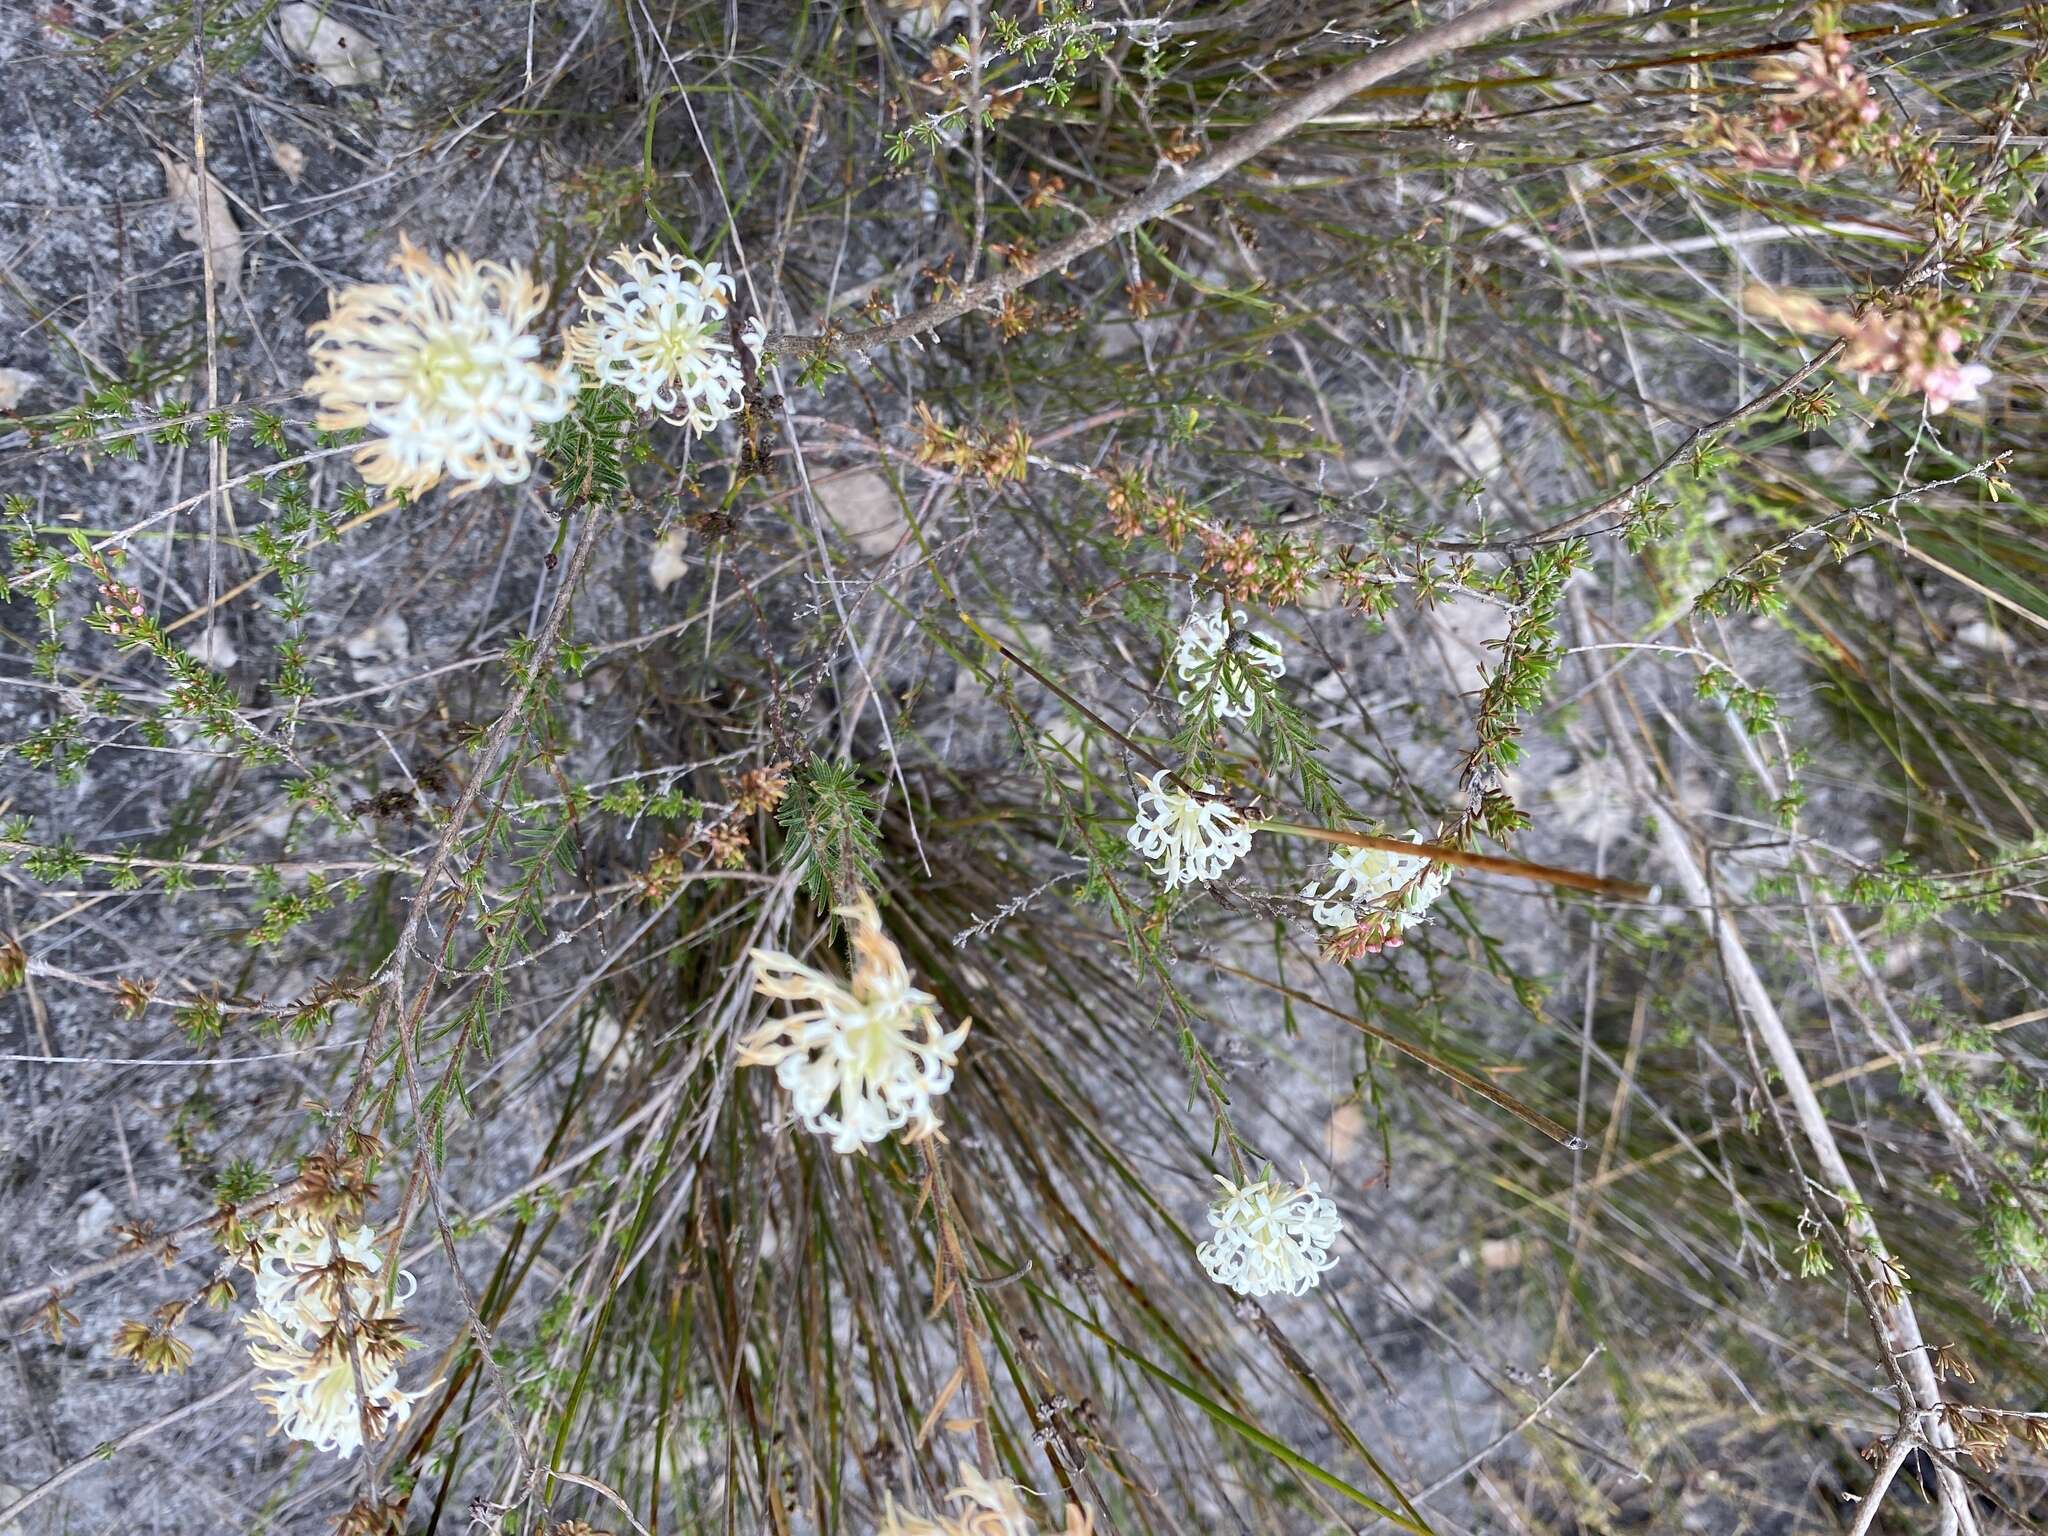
[
  {"x": 1910, "y": 1364},
  {"x": 1474, "y": 26}
]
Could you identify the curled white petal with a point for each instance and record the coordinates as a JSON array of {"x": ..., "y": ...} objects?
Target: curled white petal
[
  {"x": 309, "y": 1385},
  {"x": 303, "y": 1266},
  {"x": 309, "y": 1347},
  {"x": 658, "y": 331},
  {"x": 1362, "y": 881}
]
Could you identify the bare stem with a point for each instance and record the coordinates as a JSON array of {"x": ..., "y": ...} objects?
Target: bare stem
[
  {"x": 1474, "y": 26},
  {"x": 1521, "y": 869}
]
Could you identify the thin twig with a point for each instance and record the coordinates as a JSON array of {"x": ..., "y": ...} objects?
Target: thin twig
[
  {"x": 1520, "y": 869},
  {"x": 107, "y": 1450},
  {"x": 1620, "y": 500},
  {"x": 1534, "y": 1119},
  {"x": 1476, "y": 25},
  {"x": 1899, "y": 1323},
  {"x": 1895, "y": 1458},
  {"x": 484, "y": 762}
]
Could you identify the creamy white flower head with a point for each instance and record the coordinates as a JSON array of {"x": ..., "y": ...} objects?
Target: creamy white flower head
[
  {"x": 310, "y": 1386},
  {"x": 755, "y": 335},
  {"x": 1271, "y": 1236},
  {"x": 442, "y": 368},
  {"x": 1216, "y": 656},
  {"x": 658, "y": 333},
  {"x": 875, "y": 1045},
  {"x": 1401, "y": 886},
  {"x": 981, "y": 1507},
  {"x": 1188, "y": 838},
  {"x": 298, "y": 1282}
]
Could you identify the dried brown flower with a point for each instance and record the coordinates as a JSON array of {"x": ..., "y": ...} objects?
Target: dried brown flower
[
  {"x": 13, "y": 965},
  {"x": 155, "y": 1350},
  {"x": 728, "y": 845},
  {"x": 760, "y": 789},
  {"x": 1045, "y": 190},
  {"x": 1144, "y": 296},
  {"x": 53, "y": 1317}
]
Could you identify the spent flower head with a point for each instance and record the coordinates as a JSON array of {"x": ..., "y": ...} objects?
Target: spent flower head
[
  {"x": 1820, "y": 113},
  {"x": 656, "y": 332},
  {"x": 155, "y": 1347},
  {"x": 442, "y": 368},
  {"x": 1272, "y": 1236},
  {"x": 874, "y": 1044}
]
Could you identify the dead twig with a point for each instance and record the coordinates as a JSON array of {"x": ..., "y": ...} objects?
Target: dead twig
[{"x": 1476, "y": 25}]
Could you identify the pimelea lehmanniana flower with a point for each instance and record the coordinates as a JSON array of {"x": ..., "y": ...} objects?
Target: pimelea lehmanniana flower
[
  {"x": 755, "y": 335},
  {"x": 300, "y": 1333},
  {"x": 1949, "y": 383},
  {"x": 442, "y": 368},
  {"x": 981, "y": 1507},
  {"x": 309, "y": 1385},
  {"x": 658, "y": 332},
  {"x": 1188, "y": 838},
  {"x": 1272, "y": 1236},
  {"x": 1216, "y": 656},
  {"x": 1362, "y": 881},
  {"x": 302, "y": 1267},
  {"x": 874, "y": 1044}
]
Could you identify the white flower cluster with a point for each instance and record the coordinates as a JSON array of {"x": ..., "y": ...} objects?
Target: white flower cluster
[
  {"x": 1271, "y": 1236},
  {"x": 655, "y": 333},
  {"x": 1362, "y": 882},
  {"x": 982, "y": 1507},
  {"x": 1217, "y": 657},
  {"x": 1189, "y": 838},
  {"x": 310, "y": 1347},
  {"x": 1194, "y": 837},
  {"x": 443, "y": 370},
  {"x": 876, "y": 1046}
]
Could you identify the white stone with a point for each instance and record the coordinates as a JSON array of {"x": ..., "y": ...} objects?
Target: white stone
[
  {"x": 389, "y": 639},
  {"x": 95, "y": 1219},
  {"x": 668, "y": 561},
  {"x": 864, "y": 507},
  {"x": 214, "y": 649},
  {"x": 338, "y": 51},
  {"x": 1982, "y": 635},
  {"x": 1594, "y": 801}
]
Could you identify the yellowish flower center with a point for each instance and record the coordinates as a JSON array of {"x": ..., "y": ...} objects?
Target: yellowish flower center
[
  {"x": 446, "y": 364},
  {"x": 872, "y": 1042},
  {"x": 680, "y": 343}
]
